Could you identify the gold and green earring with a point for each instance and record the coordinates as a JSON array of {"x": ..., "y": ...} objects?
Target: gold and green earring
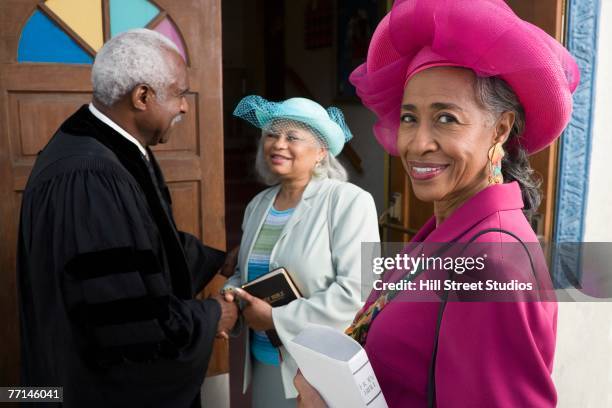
[{"x": 496, "y": 154}]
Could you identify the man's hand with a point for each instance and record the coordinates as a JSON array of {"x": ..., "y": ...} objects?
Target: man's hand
[
  {"x": 256, "y": 312},
  {"x": 229, "y": 266},
  {"x": 308, "y": 396},
  {"x": 229, "y": 315}
]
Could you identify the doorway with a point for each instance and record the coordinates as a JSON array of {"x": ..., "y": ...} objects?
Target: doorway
[{"x": 280, "y": 49}]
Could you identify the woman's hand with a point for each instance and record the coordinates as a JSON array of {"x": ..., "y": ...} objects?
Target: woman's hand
[
  {"x": 256, "y": 312},
  {"x": 308, "y": 396}
]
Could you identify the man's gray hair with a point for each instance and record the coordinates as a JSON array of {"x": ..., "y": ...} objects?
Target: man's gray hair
[
  {"x": 329, "y": 167},
  {"x": 131, "y": 58}
]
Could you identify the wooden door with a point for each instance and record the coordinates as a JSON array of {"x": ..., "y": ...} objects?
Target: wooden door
[
  {"x": 45, "y": 64},
  {"x": 413, "y": 213}
]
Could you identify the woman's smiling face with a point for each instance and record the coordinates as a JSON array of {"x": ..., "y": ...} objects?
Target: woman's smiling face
[
  {"x": 444, "y": 134},
  {"x": 291, "y": 151}
]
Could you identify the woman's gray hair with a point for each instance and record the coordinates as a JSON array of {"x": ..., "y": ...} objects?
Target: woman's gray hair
[
  {"x": 329, "y": 167},
  {"x": 131, "y": 58},
  {"x": 496, "y": 96}
]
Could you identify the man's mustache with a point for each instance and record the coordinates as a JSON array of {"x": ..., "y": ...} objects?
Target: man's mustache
[{"x": 176, "y": 119}]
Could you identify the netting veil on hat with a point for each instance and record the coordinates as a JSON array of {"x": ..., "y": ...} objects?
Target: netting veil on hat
[
  {"x": 482, "y": 35},
  {"x": 327, "y": 124}
]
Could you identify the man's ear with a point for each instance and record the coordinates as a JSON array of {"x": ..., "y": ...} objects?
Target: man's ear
[
  {"x": 503, "y": 127},
  {"x": 140, "y": 97}
]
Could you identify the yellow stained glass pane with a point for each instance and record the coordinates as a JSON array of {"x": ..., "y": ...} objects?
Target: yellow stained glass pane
[{"x": 84, "y": 17}]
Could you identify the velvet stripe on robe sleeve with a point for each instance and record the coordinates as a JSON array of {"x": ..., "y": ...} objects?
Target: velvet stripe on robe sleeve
[{"x": 87, "y": 237}]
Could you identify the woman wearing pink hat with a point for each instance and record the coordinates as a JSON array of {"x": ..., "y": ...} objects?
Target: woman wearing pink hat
[{"x": 464, "y": 91}]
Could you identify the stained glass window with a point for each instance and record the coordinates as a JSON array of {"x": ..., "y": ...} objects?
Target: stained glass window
[
  {"x": 128, "y": 14},
  {"x": 42, "y": 40},
  {"x": 82, "y": 17},
  {"x": 167, "y": 28},
  {"x": 72, "y": 31}
]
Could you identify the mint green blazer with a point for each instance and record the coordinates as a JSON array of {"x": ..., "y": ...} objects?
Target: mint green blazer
[{"x": 320, "y": 246}]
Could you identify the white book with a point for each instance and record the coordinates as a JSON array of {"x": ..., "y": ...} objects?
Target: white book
[{"x": 337, "y": 366}]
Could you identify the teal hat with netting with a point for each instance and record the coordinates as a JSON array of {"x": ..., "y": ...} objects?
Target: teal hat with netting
[{"x": 328, "y": 124}]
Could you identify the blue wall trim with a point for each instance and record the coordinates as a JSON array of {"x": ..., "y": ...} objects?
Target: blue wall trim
[{"x": 575, "y": 148}]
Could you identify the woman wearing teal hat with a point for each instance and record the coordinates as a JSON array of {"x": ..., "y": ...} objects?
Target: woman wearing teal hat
[{"x": 311, "y": 222}]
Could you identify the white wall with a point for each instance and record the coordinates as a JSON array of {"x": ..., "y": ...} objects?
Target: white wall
[
  {"x": 599, "y": 208},
  {"x": 583, "y": 361}
]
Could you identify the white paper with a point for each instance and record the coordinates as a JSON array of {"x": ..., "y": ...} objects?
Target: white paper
[{"x": 337, "y": 366}]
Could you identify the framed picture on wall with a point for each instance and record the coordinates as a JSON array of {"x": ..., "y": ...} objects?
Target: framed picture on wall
[{"x": 356, "y": 22}]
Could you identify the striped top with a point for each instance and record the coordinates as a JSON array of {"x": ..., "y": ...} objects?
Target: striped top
[{"x": 259, "y": 264}]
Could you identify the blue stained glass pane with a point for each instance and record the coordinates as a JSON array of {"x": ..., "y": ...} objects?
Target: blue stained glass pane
[
  {"x": 43, "y": 41},
  {"x": 128, "y": 14}
]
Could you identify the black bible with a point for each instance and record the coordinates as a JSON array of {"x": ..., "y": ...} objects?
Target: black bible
[{"x": 275, "y": 288}]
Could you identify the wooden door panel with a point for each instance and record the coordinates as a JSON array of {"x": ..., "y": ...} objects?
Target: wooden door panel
[
  {"x": 548, "y": 15},
  {"x": 186, "y": 206},
  {"x": 35, "y": 116}
]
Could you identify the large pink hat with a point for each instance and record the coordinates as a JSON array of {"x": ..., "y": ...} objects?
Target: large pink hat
[{"x": 482, "y": 35}]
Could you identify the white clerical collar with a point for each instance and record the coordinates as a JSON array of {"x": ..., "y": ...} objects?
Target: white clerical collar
[{"x": 117, "y": 128}]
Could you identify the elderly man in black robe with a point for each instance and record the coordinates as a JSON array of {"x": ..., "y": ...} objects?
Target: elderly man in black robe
[{"x": 106, "y": 281}]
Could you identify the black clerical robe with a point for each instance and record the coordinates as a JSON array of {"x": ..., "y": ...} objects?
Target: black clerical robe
[{"x": 106, "y": 281}]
